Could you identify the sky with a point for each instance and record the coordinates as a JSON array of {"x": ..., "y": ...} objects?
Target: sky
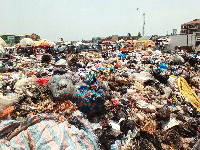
[{"x": 76, "y": 20}]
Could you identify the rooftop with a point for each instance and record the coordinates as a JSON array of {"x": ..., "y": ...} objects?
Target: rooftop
[
  {"x": 15, "y": 34},
  {"x": 195, "y": 21}
]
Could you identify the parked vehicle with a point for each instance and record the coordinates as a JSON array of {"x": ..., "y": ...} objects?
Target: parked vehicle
[
  {"x": 128, "y": 47},
  {"x": 26, "y": 50},
  {"x": 144, "y": 45}
]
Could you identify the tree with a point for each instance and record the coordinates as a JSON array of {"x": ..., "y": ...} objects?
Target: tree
[{"x": 139, "y": 35}]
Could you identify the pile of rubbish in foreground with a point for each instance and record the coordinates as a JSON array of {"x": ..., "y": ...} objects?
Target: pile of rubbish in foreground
[{"x": 109, "y": 100}]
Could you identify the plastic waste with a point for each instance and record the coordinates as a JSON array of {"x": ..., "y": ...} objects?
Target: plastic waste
[
  {"x": 163, "y": 66},
  {"x": 143, "y": 76},
  {"x": 22, "y": 82},
  {"x": 145, "y": 106},
  {"x": 42, "y": 81},
  {"x": 90, "y": 95},
  {"x": 61, "y": 62},
  {"x": 62, "y": 88},
  {"x": 122, "y": 55},
  {"x": 163, "y": 113},
  {"x": 187, "y": 92},
  {"x": 7, "y": 111},
  {"x": 8, "y": 100},
  {"x": 118, "y": 64}
]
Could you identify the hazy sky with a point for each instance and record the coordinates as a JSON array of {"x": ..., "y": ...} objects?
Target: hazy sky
[{"x": 84, "y": 19}]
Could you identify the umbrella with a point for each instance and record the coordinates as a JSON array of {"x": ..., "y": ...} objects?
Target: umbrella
[
  {"x": 2, "y": 42},
  {"x": 47, "y": 43},
  {"x": 79, "y": 43},
  {"x": 104, "y": 42},
  {"x": 122, "y": 41},
  {"x": 17, "y": 45},
  {"x": 2, "y": 50},
  {"x": 26, "y": 41},
  {"x": 129, "y": 41}
]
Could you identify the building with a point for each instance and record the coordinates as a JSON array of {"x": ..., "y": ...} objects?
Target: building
[
  {"x": 190, "y": 40},
  {"x": 9, "y": 39},
  {"x": 12, "y": 39},
  {"x": 190, "y": 27},
  {"x": 189, "y": 35},
  {"x": 125, "y": 38},
  {"x": 115, "y": 38},
  {"x": 97, "y": 39},
  {"x": 33, "y": 36},
  {"x": 143, "y": 38}
]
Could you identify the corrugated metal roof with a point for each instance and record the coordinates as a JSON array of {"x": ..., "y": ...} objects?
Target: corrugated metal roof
[{"x": 144, "y": 38}]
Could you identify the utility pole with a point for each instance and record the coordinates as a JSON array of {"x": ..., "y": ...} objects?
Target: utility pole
[{"x": 143, "y": 24}]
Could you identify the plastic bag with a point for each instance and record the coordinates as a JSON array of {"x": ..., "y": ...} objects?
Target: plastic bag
[
  {"x": 22, "y": 82},
  {"x": 8, "y": 100},
  {"x": 145, "y": 106},
  {"x": 163, "y": 66},
  {"x": 90, "y": 95},
  {"x": 143, "y": 76},
  {"x": 62, "y": 88}
]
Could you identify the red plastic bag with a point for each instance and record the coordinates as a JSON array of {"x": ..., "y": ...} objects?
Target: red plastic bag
[{"x": 43, "y": 81}]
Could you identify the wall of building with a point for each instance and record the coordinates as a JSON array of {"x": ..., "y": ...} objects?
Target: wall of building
[
  {"x": 182, "y": 40},
  {"x": 191, "y": 40},
  {"x": 198, "y": 28},
  {"x": 177, "y": 40}
]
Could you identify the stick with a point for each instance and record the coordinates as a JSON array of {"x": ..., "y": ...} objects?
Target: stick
[{"x": 17, "y": 131}]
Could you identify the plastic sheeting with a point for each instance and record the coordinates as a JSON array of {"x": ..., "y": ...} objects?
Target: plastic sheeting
[
  {"x": 48, "y": 134},
  {"x": 2, "y": 42},
  {"x": 187, "y": 92},
  {"x": 27, "y": 41}
]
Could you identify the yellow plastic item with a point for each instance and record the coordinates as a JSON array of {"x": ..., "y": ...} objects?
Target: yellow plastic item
[
  {"x": 187, "y": 92},
  {"x": 172, "y": 76},
  {"x": 139, "y": 86}
]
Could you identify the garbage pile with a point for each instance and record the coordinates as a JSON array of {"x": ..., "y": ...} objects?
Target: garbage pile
[{"x": 109, "y": 100}]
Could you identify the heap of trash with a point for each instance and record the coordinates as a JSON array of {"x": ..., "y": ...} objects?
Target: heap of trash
[{"x": 109, "y": 100}]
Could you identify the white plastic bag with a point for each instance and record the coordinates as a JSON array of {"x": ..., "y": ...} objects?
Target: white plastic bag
[{"x": 8, "y": 100}]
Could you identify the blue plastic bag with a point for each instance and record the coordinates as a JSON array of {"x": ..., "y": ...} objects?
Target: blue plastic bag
[
  {"x": 122, "y": 55},
  {"x": 163, "y": 66}
]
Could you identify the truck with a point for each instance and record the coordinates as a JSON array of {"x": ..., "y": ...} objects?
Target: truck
[
  {"x": 128, "y": 47},
  {"x": 144, "y": 45},
  {"x": 139, "y": 45}
]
